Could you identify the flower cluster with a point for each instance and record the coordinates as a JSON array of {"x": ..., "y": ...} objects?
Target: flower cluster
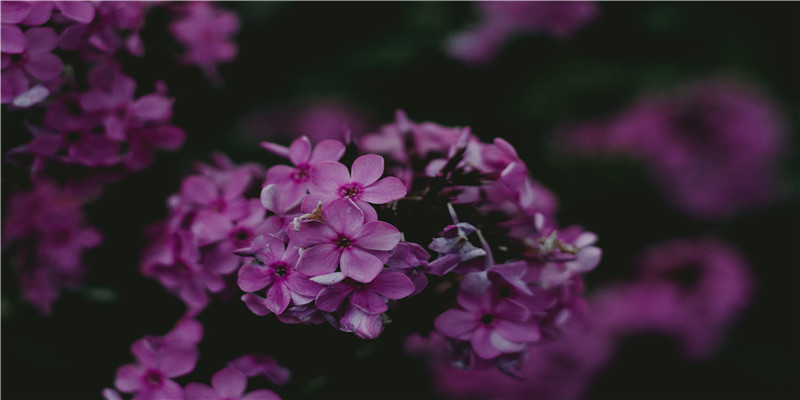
[
  {"x": 161, "y": 359},
  {"x": 95, "y": 30},
  {"x": 45, "y": 228},
  {"x": 500, "y": 21},
  {"x": 348, "y": 243},
  {"x": 694, "y": 142},
  {"x": 215, "y": 213},
  {"x": 689, "y": 289},
  {"x": 206, "y": 32}
]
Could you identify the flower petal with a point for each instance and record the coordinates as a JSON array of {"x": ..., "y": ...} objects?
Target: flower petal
[
  {"x": 385, "y": 190},
  {"x": 13, "y": 41},
  {"x": 314, "y": 233},
  {"x": 253, "y": 278},
  {"x": 278, "y": 298},
  {"x": 377, "y": 235},
  {"x": 81, "y": 11},
  {"x": 40, "y": 41},
  {"x": 367, "y": 169},
  {"x": 300, "y": 150},
  {"x": 327, "y": 150},
  {"x": 229, "y": 383},
  {"x": 210, "y": 227},
  {"x": 368, "y": 301},
  {"x": 261, "y": 394},
  {"x": 44, "y": 66},
  {"x": 255, "y": 304},
  {"x": 331, "y": 297},
  {"x": 393, "y": 285},
  {"x": 517, "y": 332},
  {"x": 328, "y": 177},
  {"x": 456, "y": 323},
  {"x": 360, "y": 265},
  {"x": 319, "y": 260},
  {"x": 128, "y": 378},
  {"x": 481, "y": 341},
  {"x": 153, "y": 107},
  {"x": 199, "y": 391},
  {"x": 504, "y": 345},
  {"x": 199, "y": 189},
  {"x": 343, "y": 216}
]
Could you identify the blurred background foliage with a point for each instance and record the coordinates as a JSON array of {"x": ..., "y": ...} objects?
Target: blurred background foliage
[{"x": 379, "y": 57}]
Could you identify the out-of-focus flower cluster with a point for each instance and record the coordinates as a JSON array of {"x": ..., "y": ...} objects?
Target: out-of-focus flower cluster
[
  {"x": 715, "y": 147},
  {"x": 690, "y": 290},
  {"x": 500, "y": 21},
  {"x": 46, "y": 229},
  {"x": 343, "y": 244},
  {"x": 162, "y": 359}
]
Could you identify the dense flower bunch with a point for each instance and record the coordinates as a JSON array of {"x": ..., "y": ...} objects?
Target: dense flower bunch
[
  {"x": 693, "y": 141},
  {"x": 689, "y": 289},
  {"x": 346, "y": 243},
  {"x": 499, "y": 21},
  {"x": 161, "y": 359},
  {"x": 95, "y": 30},
  {"x": 215, "y": 213},
  {"x": 46, "y": 230}
]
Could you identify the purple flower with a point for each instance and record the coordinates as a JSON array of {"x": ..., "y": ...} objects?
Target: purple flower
[
  {"x": 159, "y": 359},
  {"x": 332, "y": 180},
  {"x": 500, "y": 21},
  {"x": 293, "y": 182},
  {"x": 714, "y": 147},
  {"x": 206, "y": 32},
  {"x": 491, "y": 329},
  {"x": 412, "y": 260},
  {"x": 369, "y": 298},
  {"x": 274, "y": 269},
  {"x": 33, "y": 62},
  {"x": 364, "y": 325},
  {"x": 45, "y": 231},
  {"x": 343, "y": 239},
  {"x": 227, "y": 384},
  {"x": 454, "y": 241},
  {"x": 262, "y": 364}
]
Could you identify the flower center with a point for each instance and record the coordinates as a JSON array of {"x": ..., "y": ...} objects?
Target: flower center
[
  {"x": 487, "y": 319},
  {"x": 350, "y": 190},
  {"x": 153, "y": 378},
  {"x": 242, "y": 236},
  {"x": 280, "y": 268},
  {"x": 300, "y": 173},
  {"x": 343, "y": 241}
]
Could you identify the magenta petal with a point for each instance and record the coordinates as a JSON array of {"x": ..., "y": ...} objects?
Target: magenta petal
[
  {"x": 328, "y": 177},
  {"x": 277, "y": 298},
  {"x": 169, "y": 390},
  {"x": 511, "y": 310},
  {"x": 13, "y": 41},
  {"x": 44, "y": 66},
  {"x": 40, "y": 41},
  {"x": 368, "y": 301},
  {"x": 200, "y": 392},
  {"x": 319, "y": 260},
  {"x": 153, "y": 107},
  {"x": 39, "y": 14},
  {"x": 178, "y": 361},
  {"x": 327, "y": 150},
  {"x": 482, "y": 343},
  {"x": 81, "y": 11},
  {"x": 343, "y": 216},
  {"x": 517, "y": 332},
  {"x": 115, "y": 128},
  {"x": 300, "y": 151},
  {"x": 253, "y": 278},
  {"x": 370, "y": 214},
  {"x": 367, "y": 169},
  {"x": 209, "y": 227},
  {"x": 393, "y": 285},
  {"x": 128, "y": 378},
  {"x": 377, "y": 235},
  {"x": 455, "y": 323},
  {"x": 229, "y": 383},
  {"x": 332, "y": 296},
  {"x": 199, "y": 189},
  {"x": 255, "y": 304},
  {"x": 279, "y": 174},
  {"x": 360, "y": 265},
  {"x": 278, "y": 150},
  {"x": 385, "y": 190},
  {"x": 313, "y": 233},
  {"x": 94, "y": 100},
  {"x": 261, "y": 394},
  {"x": 34, "y": 95},
  {"x": 297, "y": 283},
  {"x": 13, "y": 12},
  {"x": 504, "y": 345}
]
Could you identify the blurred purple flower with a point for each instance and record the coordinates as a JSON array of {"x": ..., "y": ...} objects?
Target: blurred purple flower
[
  {"x": 227, "y": 384},
  {"x": 500, "y": 21},
  {"x": 262, "y": 364},
  {"x": 369, "y": 297},
  {"x": 715, "y": 147},
  {"x": 46, "y": 233},
  {"x": 205, "y": 30}
]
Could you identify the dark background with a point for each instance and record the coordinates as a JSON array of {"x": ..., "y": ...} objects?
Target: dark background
[{"x": 383, "y": 56}]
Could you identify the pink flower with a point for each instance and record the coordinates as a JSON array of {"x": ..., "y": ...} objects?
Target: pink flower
[
  {"x": 274, "y": 269},
  {"x": 332, "y": 180},
  {"x": 343, "y": 239},
  {"x": 293, "y": 182},
  {"x": 206, "y": 32},
  {"x": 227, "y": 384},
  {"x": 370, "y": 297}
]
